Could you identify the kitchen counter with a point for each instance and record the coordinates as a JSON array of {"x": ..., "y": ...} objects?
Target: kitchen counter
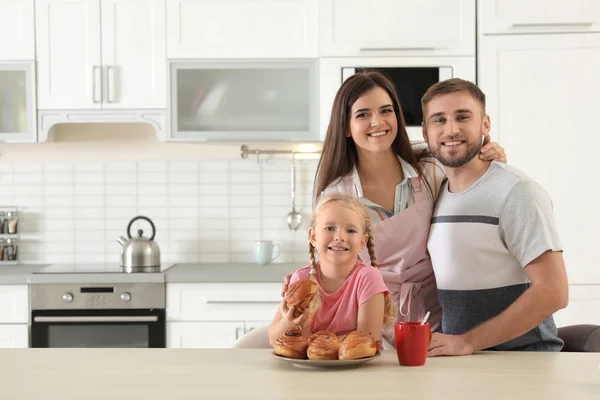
[
  {"x": 229, "y": 273},
  {"x": 18, "y": 274},
  {"x": 179, "y": 273},
  {"x": 254, "y": 374}
]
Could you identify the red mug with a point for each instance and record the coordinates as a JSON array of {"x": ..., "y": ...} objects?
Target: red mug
[{"x": 412, "y": 342}]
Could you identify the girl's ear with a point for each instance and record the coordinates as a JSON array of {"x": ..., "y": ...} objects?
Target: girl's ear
[
  {"x": 364, "y": 241},
  {"x": 312, "y": 237}
]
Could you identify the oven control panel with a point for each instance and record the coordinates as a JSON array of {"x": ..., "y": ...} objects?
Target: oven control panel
[{"x": 97, "y": 296}]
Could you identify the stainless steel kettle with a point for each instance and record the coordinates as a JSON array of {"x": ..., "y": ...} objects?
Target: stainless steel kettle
[{"x": 140, "y": 254}]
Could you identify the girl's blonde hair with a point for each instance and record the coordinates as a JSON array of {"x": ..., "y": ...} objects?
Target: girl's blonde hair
[{"x": 352, "y": 203}]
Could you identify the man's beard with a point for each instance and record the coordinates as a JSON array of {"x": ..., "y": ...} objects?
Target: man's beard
[{"x": 472, "y": 151}]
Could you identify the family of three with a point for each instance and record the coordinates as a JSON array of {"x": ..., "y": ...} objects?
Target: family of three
[{"x": 450, "y": 229}]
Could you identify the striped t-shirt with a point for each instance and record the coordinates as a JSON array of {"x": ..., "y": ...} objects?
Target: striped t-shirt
[{"x": 480, "y": 241}]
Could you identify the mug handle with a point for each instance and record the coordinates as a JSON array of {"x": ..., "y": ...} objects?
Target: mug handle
[
  {"x": 429, "y": 331},
  {"x": 276, "y": 246}
]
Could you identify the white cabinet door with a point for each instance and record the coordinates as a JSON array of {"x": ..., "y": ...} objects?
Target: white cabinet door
[
  {"x": 14, "y": 304},
  {"x": 398, "y": 27},
  {"x": 14, "y": 336},
  {"x": 222, "y": 301},
  {"x": 17, "y": 97},
  {"x": 517, "y": 16},
  {"x": 68, "y": 54},
  {"x": 542, "y": 100},
  {"x": 17, "y": 30},
  {"x": 203, "y": 335},
  {"x": 242, "y": 28},
  {"x": 134, "y": 53}
]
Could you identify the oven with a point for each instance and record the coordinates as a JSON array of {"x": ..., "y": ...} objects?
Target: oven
[
  {"x": 130, "y": 315},
  {"x": 412, "y": 76}
]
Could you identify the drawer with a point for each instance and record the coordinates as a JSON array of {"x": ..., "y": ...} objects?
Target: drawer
[
  {"x": 14, "y": 304},
  {"x": 222, "y": 301}
]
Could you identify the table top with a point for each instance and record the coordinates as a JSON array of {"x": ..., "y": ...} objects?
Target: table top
[{"x": 256, "y": 374}]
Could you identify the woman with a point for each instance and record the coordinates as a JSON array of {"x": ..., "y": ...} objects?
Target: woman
[{"x": 367, "y": 154}]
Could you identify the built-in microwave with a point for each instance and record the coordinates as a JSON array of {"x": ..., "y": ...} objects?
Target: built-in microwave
[{"x": 412, "y": 76}]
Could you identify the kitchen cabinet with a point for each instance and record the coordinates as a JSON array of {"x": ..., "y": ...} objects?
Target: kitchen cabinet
[
  {"x": 538, "y": 16},
  {"x": 17, "y": 102},
  {"x": 101, "y": 54},
  {"x": 241, "y": 101},
  {"x": 542, "y": 100},
  {"x": 14, "y": 304},
  {"x": 17, "y": 30},
  {"x": 208, "y": 335},
  {"x": 396, "y": 28},
  {"x": 242, "y": 29},
  {"x": 215, "y": 315},
  {"x": 14, "y": 336}
]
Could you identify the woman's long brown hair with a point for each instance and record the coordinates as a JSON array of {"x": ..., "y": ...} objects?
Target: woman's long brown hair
[{"x": 339, "y": 155}]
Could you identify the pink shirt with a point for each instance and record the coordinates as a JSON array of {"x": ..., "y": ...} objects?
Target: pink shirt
[{"x": 339, "y": 310}]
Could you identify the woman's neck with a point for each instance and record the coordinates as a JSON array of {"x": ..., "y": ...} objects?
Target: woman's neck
[
  {"x": 333, "y": 276},
  {"x": 379, "y": 167}
]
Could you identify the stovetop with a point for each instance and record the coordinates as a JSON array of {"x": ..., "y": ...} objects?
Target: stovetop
[{"x": 82, "y": 268}]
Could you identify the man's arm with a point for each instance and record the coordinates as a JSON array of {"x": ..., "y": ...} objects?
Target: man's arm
[{"x": 547, "y": 294}]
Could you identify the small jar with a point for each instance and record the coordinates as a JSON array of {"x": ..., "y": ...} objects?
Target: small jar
[
  {"x": 10, "y": 250},
  {"x": 12, "y": 219},
  {"x": 2, "y": 219},
  {"x": 1, "y": 249}
]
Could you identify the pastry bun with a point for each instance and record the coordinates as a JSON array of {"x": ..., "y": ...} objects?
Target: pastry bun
[
  {"x": 357, "y": 345},
  {"x": 291, "y": 344},
  {"x": 323, "y": 345},
  {"x": 300, "y": 295}
]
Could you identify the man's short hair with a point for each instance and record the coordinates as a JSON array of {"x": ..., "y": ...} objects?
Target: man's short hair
[{"x": 450, "y": 86}]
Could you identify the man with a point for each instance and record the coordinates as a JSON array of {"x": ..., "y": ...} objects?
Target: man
[{"x": 496, "y": 253}]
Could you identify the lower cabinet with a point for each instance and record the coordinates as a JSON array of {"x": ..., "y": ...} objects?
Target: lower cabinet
[
  {"x": 14, "y": 336},
  {"x": 216, "y": 315},
  {"x": 207, "y": 335}
]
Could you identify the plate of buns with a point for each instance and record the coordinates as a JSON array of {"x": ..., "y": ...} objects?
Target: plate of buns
[{"x": 325, "y": 350}]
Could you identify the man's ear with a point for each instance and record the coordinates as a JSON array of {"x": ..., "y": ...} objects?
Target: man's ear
[
  {"x": 424, "y": 131},
  {"x": 485, "y": 129}
]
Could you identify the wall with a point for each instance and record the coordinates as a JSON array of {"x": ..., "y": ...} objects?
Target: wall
[{"x": 79, "y": 192}]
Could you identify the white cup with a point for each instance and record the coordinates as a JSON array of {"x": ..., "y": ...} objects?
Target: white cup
[{"x": 263, "y": 252}]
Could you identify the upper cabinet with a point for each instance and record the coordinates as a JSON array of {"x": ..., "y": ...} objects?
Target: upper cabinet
[
  {"x": 538, "y": 16},
  {"x": 16, "y": 30},
  {"x": 101, "y": 54},
  {"x": 398, "y": 28},
  {"x": 17, "y": 102},
  {"x": 242, "y": 29}
]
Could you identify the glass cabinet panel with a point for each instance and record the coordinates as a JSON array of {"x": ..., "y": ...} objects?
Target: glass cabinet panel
[
  {"x": 244, "y": 101},
  {"x": 17, "y": 104}
]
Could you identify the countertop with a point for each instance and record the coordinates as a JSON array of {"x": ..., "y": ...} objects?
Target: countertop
[
  {"x": 255, "y": 374},
  {"x": 179, "y": 273}
]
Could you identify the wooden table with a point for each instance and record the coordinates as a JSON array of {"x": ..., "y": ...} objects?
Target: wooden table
[{"x": 48, "y": 374}]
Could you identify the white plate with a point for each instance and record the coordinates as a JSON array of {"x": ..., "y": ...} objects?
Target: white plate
[{"x": 325, "y": 363}]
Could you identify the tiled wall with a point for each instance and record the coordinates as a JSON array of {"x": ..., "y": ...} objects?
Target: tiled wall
[{"x": 204, "y": 211}]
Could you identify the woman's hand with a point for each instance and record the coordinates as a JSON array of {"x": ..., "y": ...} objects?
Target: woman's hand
[
  {"x": 492, "y": 151},
  {"x": 286, "y": 283}
]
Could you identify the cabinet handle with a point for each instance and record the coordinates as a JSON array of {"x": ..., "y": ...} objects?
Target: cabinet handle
[
  {"x": 110, "y": 84},
  {"x": 551, "y": 24},
  {"x": 407, "y": 48},
  {"x": 96, "y": 75},
  {"x": 239, "y": 332}
]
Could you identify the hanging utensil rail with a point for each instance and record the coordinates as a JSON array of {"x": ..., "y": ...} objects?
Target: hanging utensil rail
[{"x": 245, "y": 152}]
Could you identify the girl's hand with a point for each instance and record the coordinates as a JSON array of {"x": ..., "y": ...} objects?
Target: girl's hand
[
  {"x": 287, "y": 315},
  {"x": 492, "y": 151},
  {"x": 286, "y": 283}
]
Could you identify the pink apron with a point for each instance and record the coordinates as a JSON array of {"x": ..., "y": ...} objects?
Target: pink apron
[{"x": 402, "y": 257}]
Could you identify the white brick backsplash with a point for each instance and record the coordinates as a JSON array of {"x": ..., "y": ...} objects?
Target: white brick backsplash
[{"x": 205, "y": 211}]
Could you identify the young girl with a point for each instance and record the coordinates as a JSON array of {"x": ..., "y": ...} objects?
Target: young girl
[{"x": 353, "y": 295}]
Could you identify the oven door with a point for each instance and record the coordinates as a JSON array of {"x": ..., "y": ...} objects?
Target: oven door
[{"x": 98, "y": 328}]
